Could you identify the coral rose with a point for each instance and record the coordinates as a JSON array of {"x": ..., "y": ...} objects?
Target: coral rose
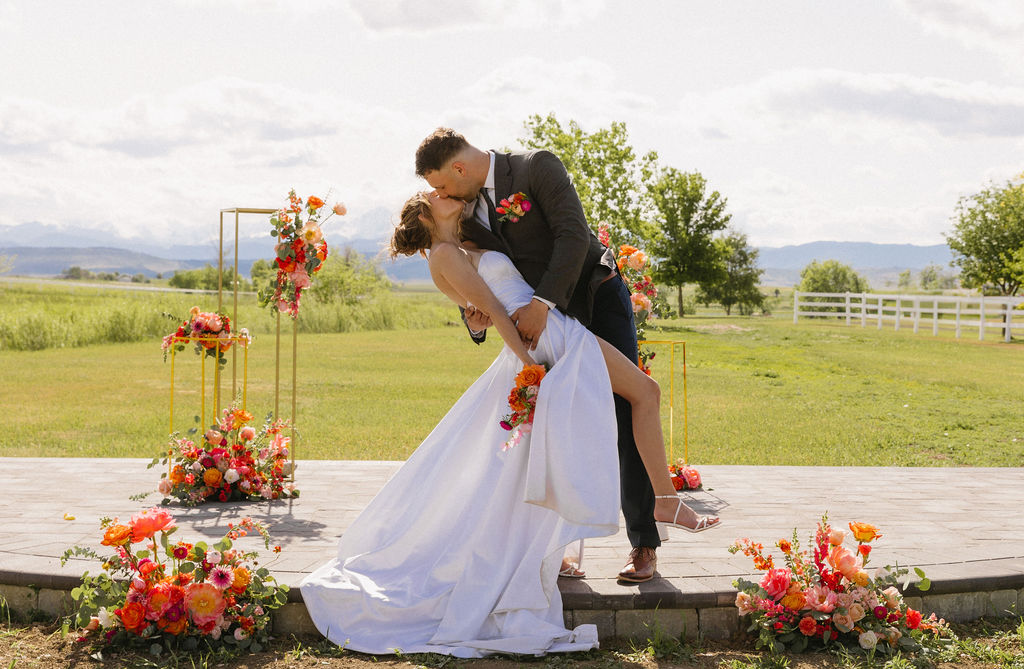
[
  {"x": 117, "y": 535},
  {"x": 247, "y": 433},
  {"x": 842, "y": 621},
  {"x": 133, "y": 617},
  {"x": 147, "y": 523},
  {"x": 340, "y": 209},
  {"x": 863, "y": 532},
  {"x": 776, "y": 583},
  {"x": 843, "y": 561},
  {"x": 807, "y": 626},
  {"x": 314, "y": 202},
  {"x": 531, "y": 375},
  {"x": 211, "y": 477},
  {"x": 637, "y": 260},
  {"x": 836, "y": 537}
]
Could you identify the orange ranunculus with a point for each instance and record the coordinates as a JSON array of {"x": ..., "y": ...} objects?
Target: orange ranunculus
[
  {"x": 239, "y": 418},
  {"x": 147, "y": 567},
  {"x": 864, "y": 532},
  {"x": 147, "y": 523},
  {"x": 117, "y": 535},
  {"x": 241, "y": 581},
  {"x": 530, "y": 376},
  {"x": 314, "y": 202},
  {"x": 177, "y": 475},
  {"x": 212, "y": 476},
  {"x": 175, "y": 627},
  {"x": 133, "y": 617}
]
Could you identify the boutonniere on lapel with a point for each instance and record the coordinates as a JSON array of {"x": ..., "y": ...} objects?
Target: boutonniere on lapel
[{"x": 513, "y": 207}]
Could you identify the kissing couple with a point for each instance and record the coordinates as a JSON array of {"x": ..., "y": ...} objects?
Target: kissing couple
[{"x": 461, "y": 551}]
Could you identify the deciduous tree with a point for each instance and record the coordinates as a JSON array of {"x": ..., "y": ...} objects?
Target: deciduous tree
[
  {"x": 988, "y": 230},
  {"x": 735, "y": 282}
]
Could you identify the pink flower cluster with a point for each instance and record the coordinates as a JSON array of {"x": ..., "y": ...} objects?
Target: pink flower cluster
[
  {"x": 827, "y": 594},
  {"x": 210, "y": 331},
  {"x": 684, "y": 477}
]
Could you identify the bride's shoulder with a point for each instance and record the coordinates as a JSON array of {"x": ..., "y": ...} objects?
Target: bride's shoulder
[{"x": 446, "y": 253}]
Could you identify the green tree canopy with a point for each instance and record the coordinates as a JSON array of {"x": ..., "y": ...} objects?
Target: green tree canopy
[
  {"x": 831, "y": 276},
  {"x": 988, "y": 230},
  {"x": 607, "y": 173},
  {"x": 205, "y": 278},
  {"x": 348, "y": 277},
  {"x": 686, "y": 217},
  {"x": 735, "y": 282}
]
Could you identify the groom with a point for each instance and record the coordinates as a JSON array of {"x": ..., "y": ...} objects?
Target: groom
[{"x": 569, "y": 269}]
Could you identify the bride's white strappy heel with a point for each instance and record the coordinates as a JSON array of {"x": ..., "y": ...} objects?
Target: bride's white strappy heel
[{"x": 703, "y": 522}]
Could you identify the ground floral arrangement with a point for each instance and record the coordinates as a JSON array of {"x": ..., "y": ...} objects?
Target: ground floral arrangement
[
  {"x": 210, "y": 331},
  {"x": 233, "y": 461},
  {"x": 684, "y": 477},
  {"x": 522, "y": 401},
  {"x": 826, "y": 595},
  {"x": 174, "y": 595},
  {"x": 300, "y": 251}
]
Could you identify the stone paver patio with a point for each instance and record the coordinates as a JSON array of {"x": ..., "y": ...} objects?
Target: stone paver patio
[{"x": 963, "y": 526}]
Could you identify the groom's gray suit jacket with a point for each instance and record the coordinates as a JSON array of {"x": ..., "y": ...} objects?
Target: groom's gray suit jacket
[{"x": 551, "y": 245}]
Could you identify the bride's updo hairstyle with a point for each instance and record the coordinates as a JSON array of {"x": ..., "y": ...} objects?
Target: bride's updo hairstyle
[{"x": 412, "y": 234}]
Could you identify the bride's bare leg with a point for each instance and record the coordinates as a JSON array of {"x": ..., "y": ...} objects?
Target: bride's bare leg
[{"x": 644, "y": 395}]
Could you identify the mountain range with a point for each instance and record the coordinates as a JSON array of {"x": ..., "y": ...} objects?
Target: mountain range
[{"x": 41, "y": 250}]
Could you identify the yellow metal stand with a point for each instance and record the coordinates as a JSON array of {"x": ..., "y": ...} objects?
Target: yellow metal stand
[{"x": 672, "y": 399}]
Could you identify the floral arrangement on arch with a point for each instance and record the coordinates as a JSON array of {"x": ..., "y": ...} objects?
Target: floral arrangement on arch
[
  {"x": 300, "y": 251},
  {"x": 161, "y": 594},
  {"x": 684, "y": 477},
  {"x": 522, "y": 400},
  {"x": 647, "y": 304},
  {"x": 232, "y": 461},
  {"x": 826, "y": 594},
  {"x": 209, "y": 330}
]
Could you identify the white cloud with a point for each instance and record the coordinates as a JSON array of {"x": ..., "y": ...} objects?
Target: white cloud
[
  {"x": 418, "y": 16},
  {"x": 995, "y": 25}
]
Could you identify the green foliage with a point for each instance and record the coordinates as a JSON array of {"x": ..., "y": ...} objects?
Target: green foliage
[
  {"x": 348, "y": 278},
  {"x": 205, "y": 278},
  {"x": 987, "y": 231},
  {"x": 736, "y": 277},
  {"x": 830, "y": 276},
  {"x": 905, "y": 280},
  {"x": 686, "y": 216},
  {"x": 605, "y": 170}
]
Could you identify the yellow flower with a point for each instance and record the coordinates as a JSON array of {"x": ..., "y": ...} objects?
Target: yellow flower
[{"x": 864, "y": 532}]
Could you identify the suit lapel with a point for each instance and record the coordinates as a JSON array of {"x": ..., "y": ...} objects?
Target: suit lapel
[{"x": 475, "y": 232}]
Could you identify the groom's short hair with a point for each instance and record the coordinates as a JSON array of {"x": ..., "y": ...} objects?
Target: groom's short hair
[{"x": 438, "y": 149}]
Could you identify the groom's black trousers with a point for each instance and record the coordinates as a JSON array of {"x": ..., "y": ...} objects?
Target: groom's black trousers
[{"x": 612, "y": 320}]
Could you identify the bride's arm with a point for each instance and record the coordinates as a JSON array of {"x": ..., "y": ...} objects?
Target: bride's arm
[{"x": 455, "y": 268}]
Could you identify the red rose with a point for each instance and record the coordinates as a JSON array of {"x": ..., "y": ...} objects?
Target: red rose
[{"x": 913, "y": 619}]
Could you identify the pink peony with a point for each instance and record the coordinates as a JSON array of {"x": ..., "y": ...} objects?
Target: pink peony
[
  {"x": 300, "y": 278},
  {"x": 147, "y": 523},
  {"x": 776, "y": 582},
  {"x": 820, "y": 598}
]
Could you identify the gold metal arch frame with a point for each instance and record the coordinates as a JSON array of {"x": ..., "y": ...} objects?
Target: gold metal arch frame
[
  {"x": 672, "y": 399},
  {"x": 238, "y": 211}
]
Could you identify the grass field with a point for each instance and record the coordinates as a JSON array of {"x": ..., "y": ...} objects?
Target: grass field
[{"x": 760, "y": 391}]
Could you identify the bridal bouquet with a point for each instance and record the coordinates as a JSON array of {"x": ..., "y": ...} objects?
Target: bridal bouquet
[
  {"x": 232, "y": 461},
  {"x": 523, "y": 403},
  {"x": 210, "y": 330},
  {"x": 301, "y": 251},
  {"x": 161, "y": 594},
  {"x": 826, "y": 594}
]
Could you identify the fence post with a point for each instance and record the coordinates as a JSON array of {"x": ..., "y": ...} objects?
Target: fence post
[
  {"x": 879, "y": 314},
  {"x": 935, "y": 317},
  {"x": 863, "y": 310},
  {"x": 959, "y": 304},
  {"x": 1009, "y": 317},
  {"x": 796, "y": 305},
  {"x": 899, "y": 311},
  {"x": 847, "y": 307},
  {"x": 981, "y": 319},
  {"x": 917, "y": 313}
]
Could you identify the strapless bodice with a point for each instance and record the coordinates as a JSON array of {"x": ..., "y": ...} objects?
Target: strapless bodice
[{"x": 504, "y": 280}]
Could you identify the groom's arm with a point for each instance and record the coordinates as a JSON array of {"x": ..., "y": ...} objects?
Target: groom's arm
[{"x": 554, "y": 193}]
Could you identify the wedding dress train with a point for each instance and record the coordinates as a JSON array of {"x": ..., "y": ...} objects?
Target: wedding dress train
[{"x": 459, "y": 552}]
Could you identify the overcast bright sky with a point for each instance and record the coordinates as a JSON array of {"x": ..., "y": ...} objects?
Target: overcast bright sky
[{"x": 854, "y": 121}]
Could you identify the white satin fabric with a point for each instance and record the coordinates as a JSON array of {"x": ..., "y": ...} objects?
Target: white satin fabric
[{"x": 459, "y": 552}]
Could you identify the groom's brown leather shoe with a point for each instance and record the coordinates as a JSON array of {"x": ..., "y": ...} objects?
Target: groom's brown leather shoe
[{"x": 642, "y": 563}]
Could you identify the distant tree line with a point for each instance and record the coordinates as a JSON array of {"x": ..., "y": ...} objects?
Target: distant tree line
[{"x": 77, "y": 273}]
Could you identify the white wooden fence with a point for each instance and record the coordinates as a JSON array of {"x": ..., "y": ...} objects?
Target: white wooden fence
[{"x": 936, "y": 311}]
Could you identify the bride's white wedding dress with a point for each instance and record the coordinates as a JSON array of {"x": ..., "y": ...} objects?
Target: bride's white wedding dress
[{"x": 459, "y": 552}]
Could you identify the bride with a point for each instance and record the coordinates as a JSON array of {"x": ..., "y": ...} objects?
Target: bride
[{"x": 461, "y": 550}]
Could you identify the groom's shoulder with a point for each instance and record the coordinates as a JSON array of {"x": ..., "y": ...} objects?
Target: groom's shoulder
[{"x": 535, "y": 159}]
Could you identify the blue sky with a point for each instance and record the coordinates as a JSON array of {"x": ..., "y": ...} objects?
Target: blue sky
[{"x": 818, "y": 121}]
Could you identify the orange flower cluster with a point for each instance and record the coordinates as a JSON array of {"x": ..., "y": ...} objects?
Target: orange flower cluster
[
  {"x": 211, "y": 332},
  {"x": 172, "y": 590},
  {"x": 827, "y": 594},
  {"x": 523, "y": 402},
  {"x": 300, "y": 251},
  {"x": 684, "y": 477},
  {"x": 233, "y": 461}
]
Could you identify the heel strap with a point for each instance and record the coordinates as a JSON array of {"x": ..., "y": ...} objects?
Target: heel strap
[{"x": 679, "y": 506}]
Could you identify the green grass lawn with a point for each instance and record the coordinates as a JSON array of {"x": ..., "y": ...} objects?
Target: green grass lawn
[{"x": 760, "y": 391}]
